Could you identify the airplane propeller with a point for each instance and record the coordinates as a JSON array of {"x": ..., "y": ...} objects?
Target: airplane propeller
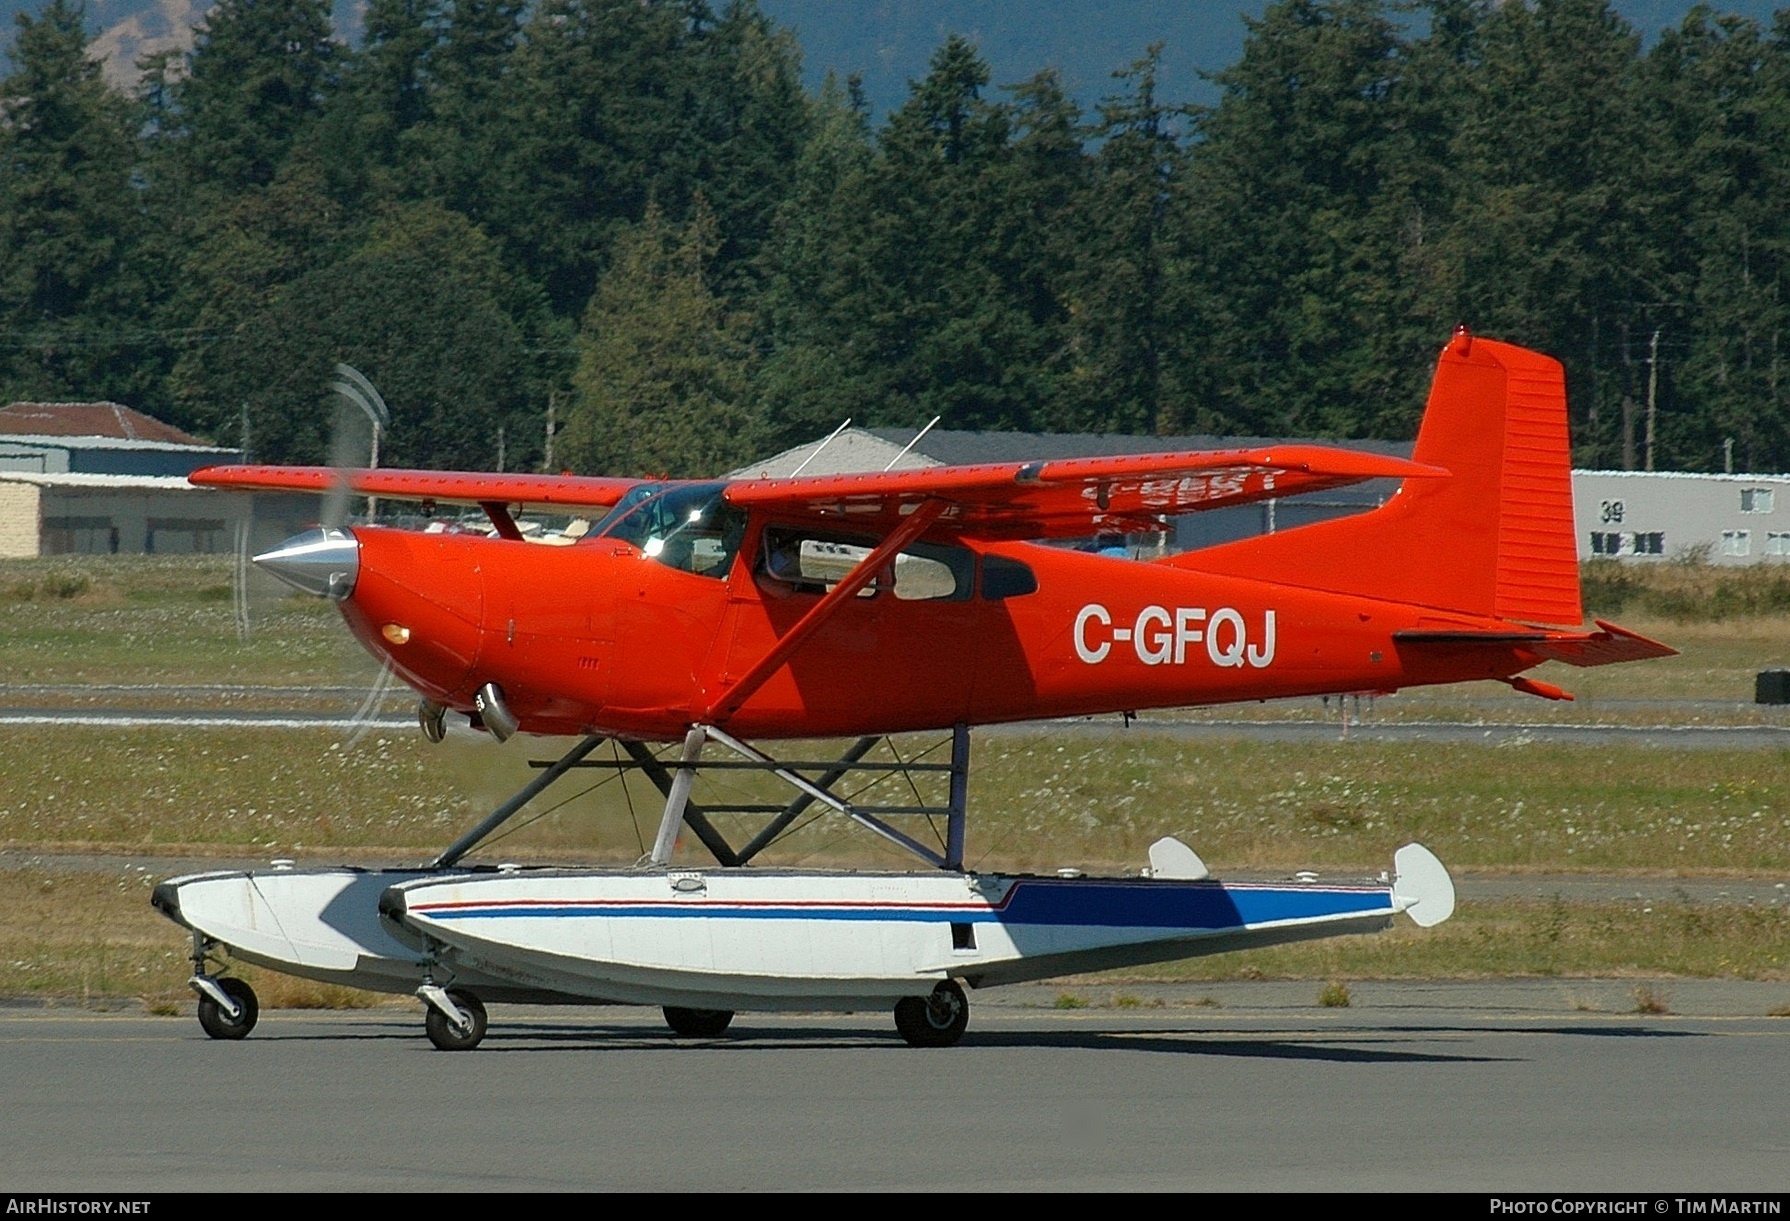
[
  {"x": 356, "y": 391},
  {"x": 359, "y": 420}
]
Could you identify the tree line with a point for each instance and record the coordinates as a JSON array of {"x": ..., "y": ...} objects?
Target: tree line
[{"x": 628, "y": 217}]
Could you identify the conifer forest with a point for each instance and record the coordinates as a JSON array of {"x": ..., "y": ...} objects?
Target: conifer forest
[{"x": 631, "y": 215}]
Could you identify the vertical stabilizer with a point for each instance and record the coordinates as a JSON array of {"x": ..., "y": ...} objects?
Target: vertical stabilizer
[{"x": 1495, "y": 538}]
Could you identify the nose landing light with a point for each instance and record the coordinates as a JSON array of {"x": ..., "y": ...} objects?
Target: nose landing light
[{"x": 324, "y": 562}]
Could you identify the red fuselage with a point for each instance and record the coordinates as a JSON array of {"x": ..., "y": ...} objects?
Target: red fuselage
[{"x": 598, "y": 637}]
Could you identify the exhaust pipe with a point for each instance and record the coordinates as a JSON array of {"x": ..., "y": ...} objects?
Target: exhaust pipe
[
  {"x": 494, "y": 714},
  {"x": 433, "y": 718}
]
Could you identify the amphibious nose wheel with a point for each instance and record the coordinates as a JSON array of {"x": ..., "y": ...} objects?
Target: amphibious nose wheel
[
  {"x": 697, "y": 1023},
  {"x": 451, "y": 1035},
  {"x": 217, "y": 1020},
  {"x": 933, "y": 1021}
]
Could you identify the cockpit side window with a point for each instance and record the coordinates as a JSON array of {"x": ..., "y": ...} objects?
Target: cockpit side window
[{"x": 691, "y": 528}]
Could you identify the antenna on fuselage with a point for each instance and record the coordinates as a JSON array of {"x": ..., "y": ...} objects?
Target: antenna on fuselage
[
  {"x": 811, "y": 457},
  {"x": 898, "y": 457}
]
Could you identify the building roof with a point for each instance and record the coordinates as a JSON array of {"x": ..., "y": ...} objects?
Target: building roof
[
  {"x": 953, "y": 447},
  {"x": 113, "y": 420},
  {"x": 116, "y": 483},
  {"x": 855, "y": 450},
  {"x": 1706, "y": 476},
  {"x": 32, "y": 441}
]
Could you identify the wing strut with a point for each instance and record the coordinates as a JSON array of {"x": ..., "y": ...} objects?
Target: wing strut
[{"x": 867, "y": 569}]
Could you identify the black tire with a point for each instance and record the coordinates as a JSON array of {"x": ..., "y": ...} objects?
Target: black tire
[
  {"x": 442, "y": 1032},
  {"x": 938, "y": 1020},
  {"x": 698, "y": 1023},
  {"x": 219, "y": 1025}
]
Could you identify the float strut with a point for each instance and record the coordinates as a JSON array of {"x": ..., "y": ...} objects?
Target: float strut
[
  {"x": 694, "y": 816},
  {"x": 960, "y": 789},
  {"x": 679, "y": 797}
]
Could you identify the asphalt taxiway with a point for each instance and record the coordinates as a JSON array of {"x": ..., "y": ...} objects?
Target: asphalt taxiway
[{"x": 1469, "y": 1089}]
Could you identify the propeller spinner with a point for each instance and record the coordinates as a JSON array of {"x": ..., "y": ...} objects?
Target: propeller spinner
[{"x": 324, "y": 561}]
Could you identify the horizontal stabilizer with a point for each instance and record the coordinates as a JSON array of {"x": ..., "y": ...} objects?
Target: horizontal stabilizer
[{"x": 1606, "y": 646}]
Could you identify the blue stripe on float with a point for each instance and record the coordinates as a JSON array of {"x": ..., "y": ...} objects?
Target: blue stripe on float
[{"x": 1082, "y": 904}]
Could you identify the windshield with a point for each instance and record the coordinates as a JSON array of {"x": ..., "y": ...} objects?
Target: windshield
[
  {"x": 688, "y": 527},
  {"x": 624, "y": 506}
]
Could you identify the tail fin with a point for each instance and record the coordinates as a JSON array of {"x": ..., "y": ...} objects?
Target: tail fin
[{"x": 1496, "y": 538}]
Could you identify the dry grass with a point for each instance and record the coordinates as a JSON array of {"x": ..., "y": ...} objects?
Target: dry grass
[
  {"x": 1686, "y": 592},
  {"x": 1524, "y": 939},
  {"x": 88, "y": 936},
  {"x": 94, "y": 937},
  {"x": 1094, "y": 799},
  {"x": 149, "y": 619}
]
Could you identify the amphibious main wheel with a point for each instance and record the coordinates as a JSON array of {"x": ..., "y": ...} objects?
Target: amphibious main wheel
[
  {"x": 933, "y": 1021},
  {"x": 697, "y": 1023},
  {"x": 217, "y": 1023},
  {"x": 445, "y": 1035}
]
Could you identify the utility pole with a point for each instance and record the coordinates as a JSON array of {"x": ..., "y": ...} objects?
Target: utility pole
[
  {"x": 552, "y": 405},
  {"x": 1652, "y": 392},
  {"x": 1727, "y": 455},
  {"x": 500, "y": 449}
]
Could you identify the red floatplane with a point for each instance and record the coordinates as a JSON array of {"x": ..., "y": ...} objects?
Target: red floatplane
[{"x": 724, "y": 614}]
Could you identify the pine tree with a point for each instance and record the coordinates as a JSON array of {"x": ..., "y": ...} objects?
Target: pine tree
[
  {"x": 1126, "y": 322},
  {"x": 1287, "y": 235},
  {"x": 255, "y": 81},
  {"x": 423, "y": 307},
  {"x": 818, "y": 275},
  {"x": 1549, "y": 239},
  {"x": 1717, "y": 88},
  {"x": 665, "y": 369},
  {"x": 69, "y": 220}
]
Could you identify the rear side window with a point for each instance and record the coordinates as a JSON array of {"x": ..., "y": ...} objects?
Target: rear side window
[
  {"x": 1005, "y": 578},
  {"x": 814, "y": 562}
]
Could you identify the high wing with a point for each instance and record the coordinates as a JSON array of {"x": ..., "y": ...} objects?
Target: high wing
[
  {"x": 1065, "y": 498},
  {"x": 446, "y": 487},
  {"x": 1074, "y": 497}
]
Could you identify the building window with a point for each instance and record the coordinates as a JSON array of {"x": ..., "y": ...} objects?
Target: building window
[
  {"x": 1605, "y": 543},
  {"x": 1737, "y": 542},
  {"x": 1652, "y": 542},
  {"x": 79, "y": 536},
  {"x": 183, "y": 536},
  {"x": 1755, "y": 500},
  {"x": 1777, "y": 542}
]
